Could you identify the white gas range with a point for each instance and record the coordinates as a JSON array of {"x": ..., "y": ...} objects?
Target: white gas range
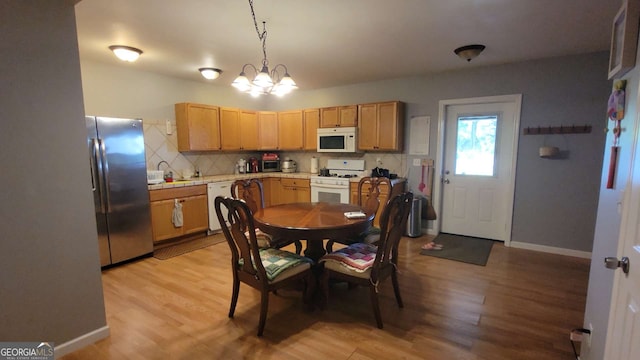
[{"x": 334, "y": 187}]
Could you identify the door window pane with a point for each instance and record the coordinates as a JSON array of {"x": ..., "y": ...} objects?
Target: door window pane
[{"x": 476, "y": 145}]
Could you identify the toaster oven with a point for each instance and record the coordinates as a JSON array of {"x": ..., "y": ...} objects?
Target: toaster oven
[{"x": 270, "y": 165}]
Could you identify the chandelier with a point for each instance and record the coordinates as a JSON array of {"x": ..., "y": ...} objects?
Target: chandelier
[{"x": 264, "y": 81}]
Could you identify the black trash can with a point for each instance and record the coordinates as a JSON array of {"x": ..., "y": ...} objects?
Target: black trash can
[{"x": 414, "y": 222}]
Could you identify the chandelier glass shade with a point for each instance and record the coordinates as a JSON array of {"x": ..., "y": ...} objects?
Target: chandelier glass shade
[
  {"x": 277, "y": 81},
  {"x": 265, "y": 81}
]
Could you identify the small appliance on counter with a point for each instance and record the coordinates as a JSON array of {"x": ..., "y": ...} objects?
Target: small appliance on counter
[
  {"x": 241, "y": 166},
  {"x": 252, "y": 165},
  {"x": 270, "y": 162},
  {"x": 380, "y": 172},
  {"x": 288, "y": 166}
]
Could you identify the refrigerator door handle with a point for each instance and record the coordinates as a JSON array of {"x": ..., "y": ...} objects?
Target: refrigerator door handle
[
  {"x": 92, "y": 164},
  {"x": 106, "y": 200},
  {"x": 97, "y": 169}
]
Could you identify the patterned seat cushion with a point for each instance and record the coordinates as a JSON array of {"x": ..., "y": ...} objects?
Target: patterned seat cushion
[
  {"x": 280, "y": 264},
  {"x": 356, "y": 259}
]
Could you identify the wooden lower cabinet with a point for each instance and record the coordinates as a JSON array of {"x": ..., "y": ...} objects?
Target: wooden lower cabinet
[
  {"x": 295, "y": 190},
  {"x": 285, "y": 190},
  {"x": 195, "y": 214}
]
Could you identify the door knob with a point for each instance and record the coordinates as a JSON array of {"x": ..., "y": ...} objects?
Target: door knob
[
  {"x": 446, "y": 181},
  {"x": 612, "y": 262}
]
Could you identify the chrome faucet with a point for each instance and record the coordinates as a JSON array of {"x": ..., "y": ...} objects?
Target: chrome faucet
[{"x": 163, "y": 162}]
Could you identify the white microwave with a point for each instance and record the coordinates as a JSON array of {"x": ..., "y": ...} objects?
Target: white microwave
[{"x": 340, "y": 139}]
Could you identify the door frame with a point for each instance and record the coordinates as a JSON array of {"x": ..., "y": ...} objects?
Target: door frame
[{"x": 516, "y": 99}]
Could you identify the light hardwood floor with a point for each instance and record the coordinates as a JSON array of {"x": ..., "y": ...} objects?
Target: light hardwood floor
[{"x": 521, "y": 305}]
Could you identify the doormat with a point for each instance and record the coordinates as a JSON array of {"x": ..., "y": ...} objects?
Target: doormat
[
  {"x": 187, "y": 246},
  {"x": 466, "y": 249}
]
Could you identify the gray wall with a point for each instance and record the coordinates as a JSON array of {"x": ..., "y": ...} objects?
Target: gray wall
[
  {"x": 51, "y": 287},
  {"x": 607, "y": 230},
  {"x": 555, "y": 200}
]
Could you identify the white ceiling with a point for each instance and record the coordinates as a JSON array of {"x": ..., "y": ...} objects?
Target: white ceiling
[{"x": 327, "y": 43}]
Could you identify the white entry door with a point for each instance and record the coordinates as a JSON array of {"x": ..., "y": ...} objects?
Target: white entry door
[
  {"x": 623, "y": 332},
  {"x": 478, "y": 170}
]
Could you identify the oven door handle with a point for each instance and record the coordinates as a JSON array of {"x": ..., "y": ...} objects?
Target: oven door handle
[{"x": 329, "y": 186}]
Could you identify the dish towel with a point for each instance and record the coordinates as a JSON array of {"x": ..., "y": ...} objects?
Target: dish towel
[{"x": 176, "y": 215}]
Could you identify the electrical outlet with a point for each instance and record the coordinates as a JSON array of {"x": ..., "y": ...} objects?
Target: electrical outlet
[
  {"x": 378, "y": 161},
  {"x": 416, "y": 162}
]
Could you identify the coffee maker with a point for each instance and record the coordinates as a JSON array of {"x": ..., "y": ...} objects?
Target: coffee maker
[{"x": 252, "y": 165}]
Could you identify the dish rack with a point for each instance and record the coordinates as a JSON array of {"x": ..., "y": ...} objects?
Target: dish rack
[{"x": 155, "y": 176}]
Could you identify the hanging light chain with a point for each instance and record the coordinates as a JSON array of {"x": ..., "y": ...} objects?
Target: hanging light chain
[{"x": 262, "y": 36}]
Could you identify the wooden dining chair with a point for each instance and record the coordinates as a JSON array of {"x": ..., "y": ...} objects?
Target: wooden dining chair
[
  {"x": 251, "y": 191},
  {"x": 369, "y": 200},
  {"x": 276, "y": 268},
  {"x": 367, "y": 264}
]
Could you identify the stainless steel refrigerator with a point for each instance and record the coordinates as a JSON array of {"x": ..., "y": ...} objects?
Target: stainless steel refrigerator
[{"x": 119, "y": 183}]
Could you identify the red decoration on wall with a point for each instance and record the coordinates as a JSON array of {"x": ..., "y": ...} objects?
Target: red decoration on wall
[{"x": 615, "y": 112}]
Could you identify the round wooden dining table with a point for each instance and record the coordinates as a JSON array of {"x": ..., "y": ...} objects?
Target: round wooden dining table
[{"x": 313, "y": 222}]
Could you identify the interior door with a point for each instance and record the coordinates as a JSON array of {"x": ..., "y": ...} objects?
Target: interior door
[
  {"x": 477, "y": 174},
  {"x": 624, "y": 315}
]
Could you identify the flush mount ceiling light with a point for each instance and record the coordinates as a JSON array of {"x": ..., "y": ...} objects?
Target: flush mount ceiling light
[
  {"x": 264, "y": 82},
  {"x": 210, "y": 73},
  {"x": 469, "y": 52},
  {"x": 126, "y": 53}
]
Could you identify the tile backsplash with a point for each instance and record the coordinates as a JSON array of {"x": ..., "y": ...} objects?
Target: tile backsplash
[{"x": 161, "y": 146}]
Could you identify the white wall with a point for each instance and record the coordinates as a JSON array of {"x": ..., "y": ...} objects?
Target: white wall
[{"x": 51, "y": 287}]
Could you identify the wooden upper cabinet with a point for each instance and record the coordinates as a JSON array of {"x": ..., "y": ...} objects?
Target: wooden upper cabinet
[
  {"x": 348, "y": 115},
  {"x": 329, "y": 117},
  {"x": 290, "y": 130},
  {"x": 198, "y": 127},
  {"x": 368, "y": 127},
  {"x": 311, "y": 118},
  {"x": 230, "y": 129},
  {"x": 268, "y": 130},
  {"x": 381, "y": 126},
  {"x": 249, "y": 139},
  {"x": 339, "y": 116}
]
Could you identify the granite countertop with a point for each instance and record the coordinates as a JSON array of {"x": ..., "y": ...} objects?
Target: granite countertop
[
  {"x": 230, "y": 177},
  {"x": 227, "y": 177}
]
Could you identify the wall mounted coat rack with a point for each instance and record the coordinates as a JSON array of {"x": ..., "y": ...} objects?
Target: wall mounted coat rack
[{"x": 544, "y": 130}]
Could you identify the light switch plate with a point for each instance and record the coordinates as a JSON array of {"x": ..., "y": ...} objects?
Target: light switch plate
[{"x": 416, "y": 162}]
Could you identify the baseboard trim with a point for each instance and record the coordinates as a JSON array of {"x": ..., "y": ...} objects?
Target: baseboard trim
[
  {"x": 551, "y": 249},
  {"x": 81, "y": 341}
]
